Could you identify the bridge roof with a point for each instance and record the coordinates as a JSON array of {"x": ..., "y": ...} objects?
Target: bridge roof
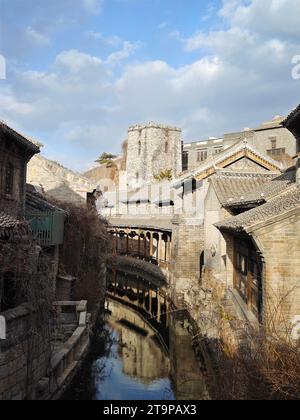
[{"x": 149, "y": 223}]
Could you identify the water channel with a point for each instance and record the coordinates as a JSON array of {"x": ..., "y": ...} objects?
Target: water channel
[{"x": 140, "y": 351}]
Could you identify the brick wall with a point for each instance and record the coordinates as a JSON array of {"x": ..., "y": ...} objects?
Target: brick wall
[
  {"x": 148, "y": 155},
  {"x": 14, "y": 203},
  {"x": 187, "y": 246},
  {"x": 18, "y": 377},
  {"x": 280, "y": 244}
]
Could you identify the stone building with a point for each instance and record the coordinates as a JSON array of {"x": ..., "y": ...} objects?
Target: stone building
[
  {"x": 262, "y": 249},
  {"x": 152, "y": 148},
  {"x": 239, "y": 158},
  {"x": 58, "y": 182},
  {"x": 34, "y": 362},
  {"x": 195, "y": 240},
  {"x": 15, "y": 153},
  {"x": 223, "y": 187},
  {"x": 271, "y": 139}
]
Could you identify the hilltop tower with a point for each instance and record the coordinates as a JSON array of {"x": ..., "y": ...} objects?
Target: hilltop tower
[{"x": 152, "y": 148}]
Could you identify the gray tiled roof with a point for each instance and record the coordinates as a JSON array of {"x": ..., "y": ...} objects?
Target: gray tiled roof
[
  {"x": 22, "y": 139},
  {"x": 8, "y": 224},
  {"x": 229, "y": 185},
  {"x": 265, "y": 191},
  {"x": 138, "y": 222},
  {"x": 217, "y": 159},
  {"x": 37, "y": 203},
  {"x": 279, "y": 205},
  {"x": 294, "y": 114}
]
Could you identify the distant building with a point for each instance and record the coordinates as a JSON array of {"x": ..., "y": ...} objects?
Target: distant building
[
  {"x": 152, "y": 148},
  {"x": 271, "y": 138},
  {"x": 261, "y": 256}
]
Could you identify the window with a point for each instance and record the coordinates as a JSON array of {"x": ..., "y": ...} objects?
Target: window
[
  {"x": 201, "y": 155},
  {"x": 137, "y": 176},
  {"x": 276, "y": 152},
  {"x": 166, "y": 147},
  {"x": 248, "y": 276},
  {"x": 9, "y": 179},
  {"x": 218, "y": 150},
  {"x": 185, "y": 161},
  {"x": 273, "y": 142},
  {"x": 140, "y": 147},
  {"x": 8, "y": 293}
]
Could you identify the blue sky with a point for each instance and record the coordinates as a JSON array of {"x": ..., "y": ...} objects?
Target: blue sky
[{"x": 79, "y": 72}]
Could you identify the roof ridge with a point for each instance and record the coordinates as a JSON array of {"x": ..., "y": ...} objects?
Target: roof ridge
[
  {"x": 265, "y": 212},
  {"x": 220, "y": 157}
]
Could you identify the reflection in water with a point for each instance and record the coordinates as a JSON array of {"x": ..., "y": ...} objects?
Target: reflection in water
[
  {"x": 132, "y": 362},
  {"x": 137, "y": 367},
  {"x": 132, "y": 357},
  {"x": 119, "y": 378}
]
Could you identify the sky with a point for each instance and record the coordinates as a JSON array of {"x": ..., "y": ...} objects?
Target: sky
[{"x": 80, "y": 72}]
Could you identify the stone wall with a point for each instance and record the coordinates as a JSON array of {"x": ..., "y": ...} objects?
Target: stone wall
[
  {"x": 13, "y": 203},
  {"x": 279, "y": 243},
  {"x": 284, "y": 139},
  {"x": 105, "y": 176},
  {"x": 24, "y": 359},
  {"x": 60, "y": 183},
  {"x": 187, "y": 247},
  {"x": 152, "y": 148}
]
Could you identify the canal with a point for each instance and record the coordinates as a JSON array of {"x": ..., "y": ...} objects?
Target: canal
[{"x": 139, "y": 351}]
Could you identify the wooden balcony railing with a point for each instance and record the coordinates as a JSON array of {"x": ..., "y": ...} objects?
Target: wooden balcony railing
[{"x": 48, "y": 228}]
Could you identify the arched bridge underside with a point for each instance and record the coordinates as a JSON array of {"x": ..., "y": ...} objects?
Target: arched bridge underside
[
  {"x": 150, "y": 297},
  {"x": 151, "y": 244}
]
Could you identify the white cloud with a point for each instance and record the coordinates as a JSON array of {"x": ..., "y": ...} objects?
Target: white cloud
[
  {"x": 109, "y": 41},
  {"x": 92, "y": 6},
  {"x": 163, "y": 25},
  {"x": 126, "y": 51},
  {"x": 241, "y": 77},
  {"x": 268, "y": 17},
  {"x": 37, "y": 37},
  {"x": 75, "y": 61}
]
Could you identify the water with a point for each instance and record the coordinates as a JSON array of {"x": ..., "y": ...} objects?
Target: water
[
  {"x": 137, "y": 349},
  {"x": 128, "y": 361},
  {"x": 120, "y": 379}
]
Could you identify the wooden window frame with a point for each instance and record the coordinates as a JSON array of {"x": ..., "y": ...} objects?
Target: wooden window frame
[
  {"x": 9, "y": 179},
  {"x": 248, "y": 277}
]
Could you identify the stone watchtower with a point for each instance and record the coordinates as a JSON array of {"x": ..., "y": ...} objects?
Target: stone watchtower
[{"x": 152, "y": 148}]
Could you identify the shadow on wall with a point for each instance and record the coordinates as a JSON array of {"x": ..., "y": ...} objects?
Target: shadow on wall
[{"x": 65, "y": 194}]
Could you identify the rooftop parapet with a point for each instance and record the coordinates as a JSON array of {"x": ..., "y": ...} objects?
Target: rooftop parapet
[{"x": 152, "y": 124}]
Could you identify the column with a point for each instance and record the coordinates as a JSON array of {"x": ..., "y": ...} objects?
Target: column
[
  {"x": 167, "y": 313},
  {"x": 127, "y": 243},
  {"x": 169, "y": 238},
  {"x": 157, "y": 248},
  {"x": 160, "y": 245},
  {"x": 150, "y": 301},
  {"x": 115, "y": 280},
  {"x": 117, "y": 240},
  {"x": 151, "y": 245},
  {"x": 145, "y": 245},
  {"x": 158, "y": 307},
  {"x": 139, "y": 243}
]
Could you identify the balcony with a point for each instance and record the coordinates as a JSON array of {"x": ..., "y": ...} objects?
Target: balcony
[
  {"x": 277, "y": 152},
  {"x": 48, "y": 228}
]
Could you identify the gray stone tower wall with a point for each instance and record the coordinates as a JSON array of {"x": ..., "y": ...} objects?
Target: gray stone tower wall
[{"x": 152, "y": 148}]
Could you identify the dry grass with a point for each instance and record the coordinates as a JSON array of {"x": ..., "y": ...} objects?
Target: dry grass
[{"x": 84, "y": 252}]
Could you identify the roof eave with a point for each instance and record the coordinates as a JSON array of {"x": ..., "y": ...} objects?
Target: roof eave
[{"x": 31, "y": 147}]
